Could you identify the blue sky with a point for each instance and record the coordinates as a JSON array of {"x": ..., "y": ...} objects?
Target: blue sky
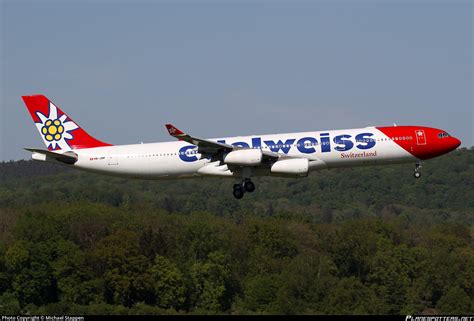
[{"x": 124, "y": 69}]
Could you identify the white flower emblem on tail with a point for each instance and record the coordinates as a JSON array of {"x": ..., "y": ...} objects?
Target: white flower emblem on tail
[{"x": 55, "y": 131}]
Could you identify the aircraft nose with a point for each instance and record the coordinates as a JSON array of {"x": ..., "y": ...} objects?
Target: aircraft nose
[
  {"x": 456, "y": 142},
  {"x": 452, "y": 143}
]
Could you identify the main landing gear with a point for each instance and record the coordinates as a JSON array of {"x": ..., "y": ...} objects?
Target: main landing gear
[
  {"x": 417, "y": 173},
  {"x": 246, "y": 186}
]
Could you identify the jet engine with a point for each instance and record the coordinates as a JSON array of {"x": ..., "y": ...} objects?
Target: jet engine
[
  {"x": 244, "y": 157},
  {"x": 295, "y": 167}
]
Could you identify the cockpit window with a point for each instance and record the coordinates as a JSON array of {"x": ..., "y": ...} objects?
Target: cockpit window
[{"x": 443, "y": 135}]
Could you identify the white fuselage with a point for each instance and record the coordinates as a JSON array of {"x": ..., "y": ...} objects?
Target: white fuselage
[{"x": 324, "y": 149}]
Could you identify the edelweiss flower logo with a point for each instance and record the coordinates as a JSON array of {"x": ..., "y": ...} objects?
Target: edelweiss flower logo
[
  {"x": 52, "y": 130},
  {"x": 55, "y": 131}
]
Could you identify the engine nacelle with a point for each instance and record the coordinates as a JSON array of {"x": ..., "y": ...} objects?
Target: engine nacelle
[
  {"x": 295, "y": 167},
  {"x": 244, "y": 157}
]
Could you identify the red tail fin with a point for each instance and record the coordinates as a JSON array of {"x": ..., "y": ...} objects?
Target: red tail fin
[{"x": 59, "y": 132}]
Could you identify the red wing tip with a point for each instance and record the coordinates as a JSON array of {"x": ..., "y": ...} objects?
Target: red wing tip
[{"x": 173, "y": 131}]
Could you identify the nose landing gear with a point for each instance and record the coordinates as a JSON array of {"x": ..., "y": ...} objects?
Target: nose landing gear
[{"x": 417, "y": 173}]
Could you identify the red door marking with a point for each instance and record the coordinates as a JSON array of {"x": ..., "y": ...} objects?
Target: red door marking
[{"x": 420, "y": 137}]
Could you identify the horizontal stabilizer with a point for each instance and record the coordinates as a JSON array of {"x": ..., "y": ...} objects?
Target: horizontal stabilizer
[{"x": 67, "y": 157}]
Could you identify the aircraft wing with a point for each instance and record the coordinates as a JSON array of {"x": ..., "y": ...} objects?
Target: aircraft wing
[
  {"x": 204, "y": 145},
  {"x": 67, "y": 157},
  {"x": 211, "y": 147}
]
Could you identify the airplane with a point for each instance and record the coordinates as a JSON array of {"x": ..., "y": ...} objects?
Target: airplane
[{"x": 243, "y": 157}]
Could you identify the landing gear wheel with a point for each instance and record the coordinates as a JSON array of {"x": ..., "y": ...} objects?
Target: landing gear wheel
[
  {"x": 238, "y": 191},
  {"x": 417, "y": 173},
  {"x": 249, "y": 186}
]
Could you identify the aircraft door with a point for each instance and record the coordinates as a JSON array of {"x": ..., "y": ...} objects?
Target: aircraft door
[{"x": 420, "y": 137}]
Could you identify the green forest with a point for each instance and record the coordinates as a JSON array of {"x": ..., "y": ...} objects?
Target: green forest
[{"x": 370, "y": 240}]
